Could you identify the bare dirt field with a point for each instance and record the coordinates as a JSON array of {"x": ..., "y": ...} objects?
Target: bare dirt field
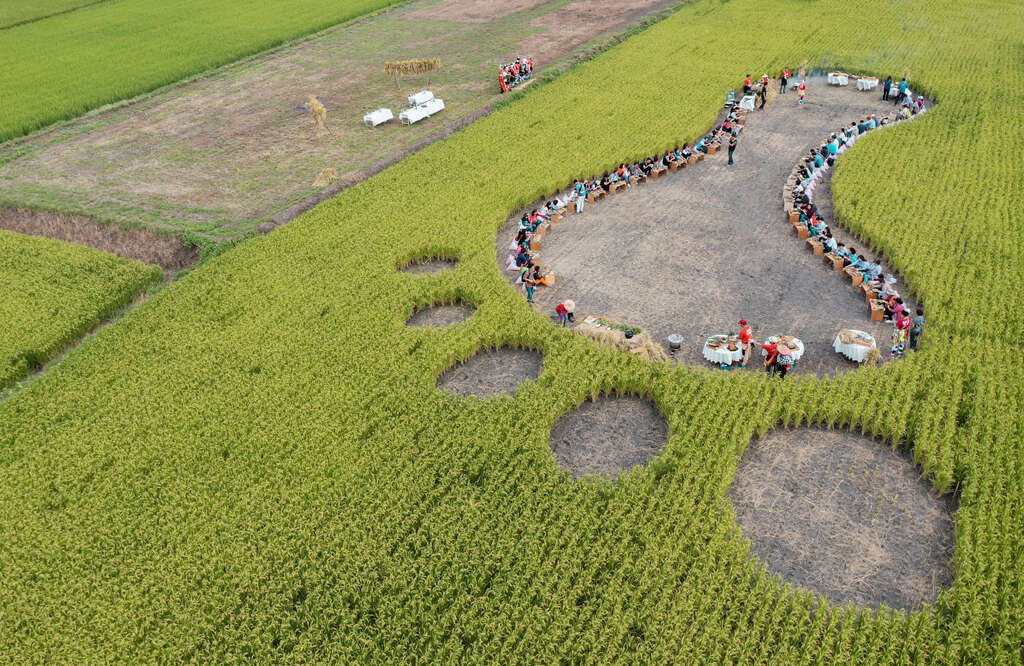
[
  {"x": 696, "y": 250},
  {"x": 440, "y": 315},
  {"x": 608, "y": 436},
  {"x": 429, "y": 266},
  {"x": 846, "y": 516},
  {"x": 491, "y": 372},
  {"x": 236, "y": 150}
]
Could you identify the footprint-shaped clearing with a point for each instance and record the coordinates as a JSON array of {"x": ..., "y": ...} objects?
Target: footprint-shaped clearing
[
  {"x": 696, "y": 250},
  {"x": 491, "y": 372},
  {"x": 846, "y": 516}
]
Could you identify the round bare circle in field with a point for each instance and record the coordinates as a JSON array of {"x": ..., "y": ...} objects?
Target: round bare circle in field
[
  {"x": 491, "y": 372},
  {"x": 439, "y": 315},
  {"x": 427, "y": 266},
  {"x": 608, "y": 436},
  {"x": 846, "y": 516}
]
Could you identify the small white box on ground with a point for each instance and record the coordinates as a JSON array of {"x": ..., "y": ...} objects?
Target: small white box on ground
[
  {"x": 378, "y": 117},
  {"x": 421, "y": 97}
]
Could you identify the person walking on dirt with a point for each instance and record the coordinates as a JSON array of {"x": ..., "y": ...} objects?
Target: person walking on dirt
[
  {"x": 885, "y": 88},
  {"x": 801, "y": 92},
  {"x": 732, "y": 146},
  {"x": 783, "y": 80},
  {"x": 746, "y": 337},
  {"x": 763, "y": 93},
  {"x": 580, "y": 190}
]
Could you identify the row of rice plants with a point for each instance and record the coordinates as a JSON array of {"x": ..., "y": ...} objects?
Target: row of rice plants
[{"x": 53, "y": 292}]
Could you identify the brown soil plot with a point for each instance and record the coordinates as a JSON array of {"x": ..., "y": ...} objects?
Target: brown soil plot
[{"x": 846, "y": 516}]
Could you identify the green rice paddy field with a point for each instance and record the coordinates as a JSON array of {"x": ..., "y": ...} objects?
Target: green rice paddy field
[
  {"x": 68, "y": 63},
  {"x": 255, "y": 463}
]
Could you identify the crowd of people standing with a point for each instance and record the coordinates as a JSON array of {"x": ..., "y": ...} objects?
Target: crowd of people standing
[{"x": 514, "y": 73}]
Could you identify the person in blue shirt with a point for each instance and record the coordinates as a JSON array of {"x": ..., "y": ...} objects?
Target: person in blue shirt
[
  {"x": 901, "y": 90},
  {"x": 580, "y": 189}
]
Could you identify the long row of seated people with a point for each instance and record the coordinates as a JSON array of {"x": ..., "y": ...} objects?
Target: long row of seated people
[
  {"x": 514, "y": 73},
  {"x": 641, "y": 170},
  {"x": 809, "y": 171},
  {"x": 524, "y": 259}
]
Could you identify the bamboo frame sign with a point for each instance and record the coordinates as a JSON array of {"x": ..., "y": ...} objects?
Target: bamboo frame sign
[{"x": 406, "y": 67}]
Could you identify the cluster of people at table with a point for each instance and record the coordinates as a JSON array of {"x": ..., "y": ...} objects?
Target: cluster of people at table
[
  {"x": 514, "y": 73},
  {"x": 900, "y": 93},
  {"x": 778, "y": 357},
  {"x": 880, "y": 287}
]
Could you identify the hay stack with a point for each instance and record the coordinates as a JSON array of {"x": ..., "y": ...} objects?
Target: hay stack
[
  {"x": 402, "y": 68},
  {"x": 640, "y": 344},
  {"x": 326, "y": 177},
  {"x": 319, "y": 113}
]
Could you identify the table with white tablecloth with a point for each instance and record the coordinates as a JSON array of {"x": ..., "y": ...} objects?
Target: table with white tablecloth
[
  {"x": 378, "y": 117},
  {"x": 838, "y": 79},
  {"x": 795, "y": 354},
  {"x": 866, "y": 83},
  {"x": 854, "y": 351},
  {"x": 722, "y": 355}
]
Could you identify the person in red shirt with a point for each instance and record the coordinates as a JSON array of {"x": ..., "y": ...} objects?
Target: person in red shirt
[
  {"x": 746, "y": 85},
  {"x": 746, "y": 337},
  {"x": 565, "y": 312},
  {"x": 772, "y": 348}
]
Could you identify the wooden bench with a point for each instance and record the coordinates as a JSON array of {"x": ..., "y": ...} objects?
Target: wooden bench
[
  {"x": 801, "y": 231},
  {"x": 701, "y": 156},
  {"x": 616, "y": 186},
  {"x": 535, "y": 242},
  {"x": 877, "y": 310},
  {"x": 794, "y": 217},
  {"x": 836, "y": 262},
  {"x": 815, "y": 245},
  {"x": 693, "y": 159},
  {"x": 633, "y": 180},
  {"x": 855, "y": 277},
  {"x": 657, "y": 171}
]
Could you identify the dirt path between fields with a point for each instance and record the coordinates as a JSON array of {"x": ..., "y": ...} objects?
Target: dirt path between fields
[
  {"x": 235, "y": 150},
  {"x": 696, "y": 250}
]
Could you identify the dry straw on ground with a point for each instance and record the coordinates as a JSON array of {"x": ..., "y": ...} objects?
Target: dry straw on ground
[
  {"x": 639, "y": 343},
  {"x": 402, "y": 68},
  {"x": 326, "y": 177},
  {"x": 318, "y": 112}
]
